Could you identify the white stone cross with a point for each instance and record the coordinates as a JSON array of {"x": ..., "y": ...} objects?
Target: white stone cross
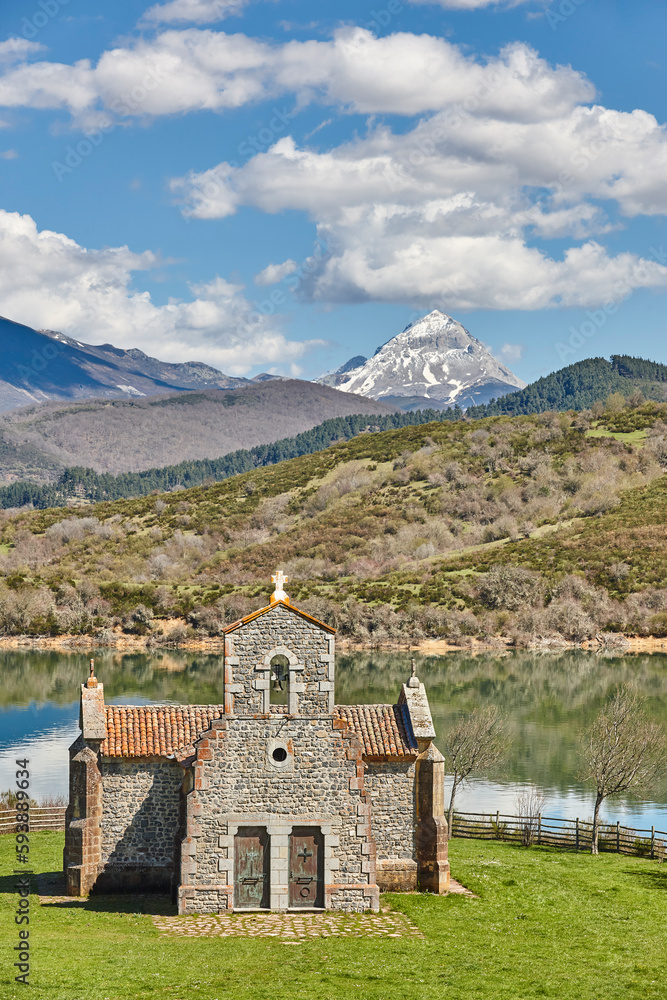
[{"x": 279, "y": 579}]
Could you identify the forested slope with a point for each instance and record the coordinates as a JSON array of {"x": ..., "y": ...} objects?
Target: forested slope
[
  {"x": 81, "y": 484},
  {"x": 580, "y": 386},
  {"x": 548, "y": 527}
]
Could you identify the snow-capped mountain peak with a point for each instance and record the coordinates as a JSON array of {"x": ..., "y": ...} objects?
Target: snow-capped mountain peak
[{"x": 433, "y": 362}]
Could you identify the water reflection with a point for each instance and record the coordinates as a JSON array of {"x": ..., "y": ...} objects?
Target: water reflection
[{"x": 549, "y": 698}]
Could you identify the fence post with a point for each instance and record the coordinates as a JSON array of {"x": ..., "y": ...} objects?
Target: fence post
[
  {"x": 576, "y": 844},
  {"x": 652, "y": 842},
  {"x": 618, "y": 836},
  {"x": 539, "y": 828}
]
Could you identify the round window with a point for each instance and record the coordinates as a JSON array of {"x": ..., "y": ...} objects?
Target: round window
[{"x": 279, "y": 754}]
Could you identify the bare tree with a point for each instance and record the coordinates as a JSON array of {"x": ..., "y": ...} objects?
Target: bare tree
[
  {"x": 477, "y": 742},
  {"x": 529, "y": 805},
  {"x": 622, "y": 750}
]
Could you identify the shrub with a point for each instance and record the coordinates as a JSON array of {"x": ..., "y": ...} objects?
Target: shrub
[
  {"x": 657, "y": 625},
  {"x": 510, "y": 588},
  {"x": 569, "y": 619}
]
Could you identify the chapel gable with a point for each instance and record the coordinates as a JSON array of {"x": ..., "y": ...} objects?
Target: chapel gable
[{"x": 279, "y": 659}]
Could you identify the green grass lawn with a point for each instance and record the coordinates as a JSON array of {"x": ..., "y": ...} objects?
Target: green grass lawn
[
  {"x": 546, "y": 924},
  {"x": 628, "y": 437}
]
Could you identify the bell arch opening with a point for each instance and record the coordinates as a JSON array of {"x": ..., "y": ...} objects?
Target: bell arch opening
[{"x": 279, "y": 687}]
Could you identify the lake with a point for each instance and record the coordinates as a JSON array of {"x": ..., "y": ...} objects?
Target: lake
[{"x": 548, "y": 698}]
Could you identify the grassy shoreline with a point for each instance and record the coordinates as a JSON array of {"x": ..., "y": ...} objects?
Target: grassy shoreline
[{"x": 436, "y": 647}]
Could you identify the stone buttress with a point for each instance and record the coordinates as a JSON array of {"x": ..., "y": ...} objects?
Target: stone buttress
[{"x": 83, "y": 818}]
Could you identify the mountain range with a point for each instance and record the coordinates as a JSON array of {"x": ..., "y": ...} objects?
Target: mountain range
[
  {"x": 40, "y": 365},
  {"x": 434, "y": 362}
]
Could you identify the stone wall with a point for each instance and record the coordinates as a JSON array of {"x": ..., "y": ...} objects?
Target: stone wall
[
  {"x": 237, "y": 783},
  {"x": 140, "y": 823},
  {"x": 392, "y": 791},
  {"x": 248, "y": 654}
]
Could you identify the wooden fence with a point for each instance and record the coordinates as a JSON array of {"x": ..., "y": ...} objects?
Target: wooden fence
[
  {"x": 41, "y": 818},
  {"x": 572, "y": 834},
  {"x": 552, "y": 831}
]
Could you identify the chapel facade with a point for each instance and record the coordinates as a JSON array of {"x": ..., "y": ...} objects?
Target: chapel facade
[{"x": 274, "y": 799}]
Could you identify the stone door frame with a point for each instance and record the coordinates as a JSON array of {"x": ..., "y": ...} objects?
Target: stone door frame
[{"x": 279, "y": 829}]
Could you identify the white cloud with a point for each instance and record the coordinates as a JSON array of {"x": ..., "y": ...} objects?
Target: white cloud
[
  {"x": 511, "y": 353},
  {"x": 193, "y": 69},
  {"x": 469, "y": 4},
  {"x": 484, "y": 272},
  {"x": 446, "y": 214},
  {"x": 9, "y": 154},
  {"x": 193, "y": 11},
  {"x": 507, "y": 150},
  {"x": 274, "y": 273},
  {"x": 18, "y": 49},
  {"x": 48, "y": 281}
]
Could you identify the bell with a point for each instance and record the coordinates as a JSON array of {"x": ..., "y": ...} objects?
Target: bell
[{"x": 276, "y": 686}]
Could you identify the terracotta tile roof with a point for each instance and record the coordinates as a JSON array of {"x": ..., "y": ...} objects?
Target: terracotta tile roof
[
  {"x": 385, "y": 730},
  {"x": 165, "y": 730},
  {"x": 156, "y": 730},
  {"x": 270, "y": 607}
]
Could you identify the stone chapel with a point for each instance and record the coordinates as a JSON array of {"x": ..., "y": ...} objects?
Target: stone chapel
[{"x": 274, "y": 799}]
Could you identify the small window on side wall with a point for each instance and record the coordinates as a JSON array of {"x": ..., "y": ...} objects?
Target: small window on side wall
[{"x": 279, "y": 679}]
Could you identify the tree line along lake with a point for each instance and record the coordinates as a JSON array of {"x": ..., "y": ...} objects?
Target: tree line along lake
[{"x": 548, "y": 698}]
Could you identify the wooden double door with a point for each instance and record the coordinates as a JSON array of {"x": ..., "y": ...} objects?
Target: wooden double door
[{"x": 252, "y": 865}]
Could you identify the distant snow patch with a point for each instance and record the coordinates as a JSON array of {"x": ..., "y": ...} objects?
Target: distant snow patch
[{"x": 130, "y": 390}]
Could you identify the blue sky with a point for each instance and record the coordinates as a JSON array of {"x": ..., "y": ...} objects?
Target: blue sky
[{"x": 280, "y": 185}]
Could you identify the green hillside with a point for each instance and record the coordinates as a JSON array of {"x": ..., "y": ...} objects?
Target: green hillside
[
  {"x": 580, "y": 386},
  {"x": 550, "y": 526}
]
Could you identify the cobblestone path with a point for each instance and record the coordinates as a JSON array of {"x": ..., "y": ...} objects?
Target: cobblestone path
[{"x": 289, "y": 927}]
